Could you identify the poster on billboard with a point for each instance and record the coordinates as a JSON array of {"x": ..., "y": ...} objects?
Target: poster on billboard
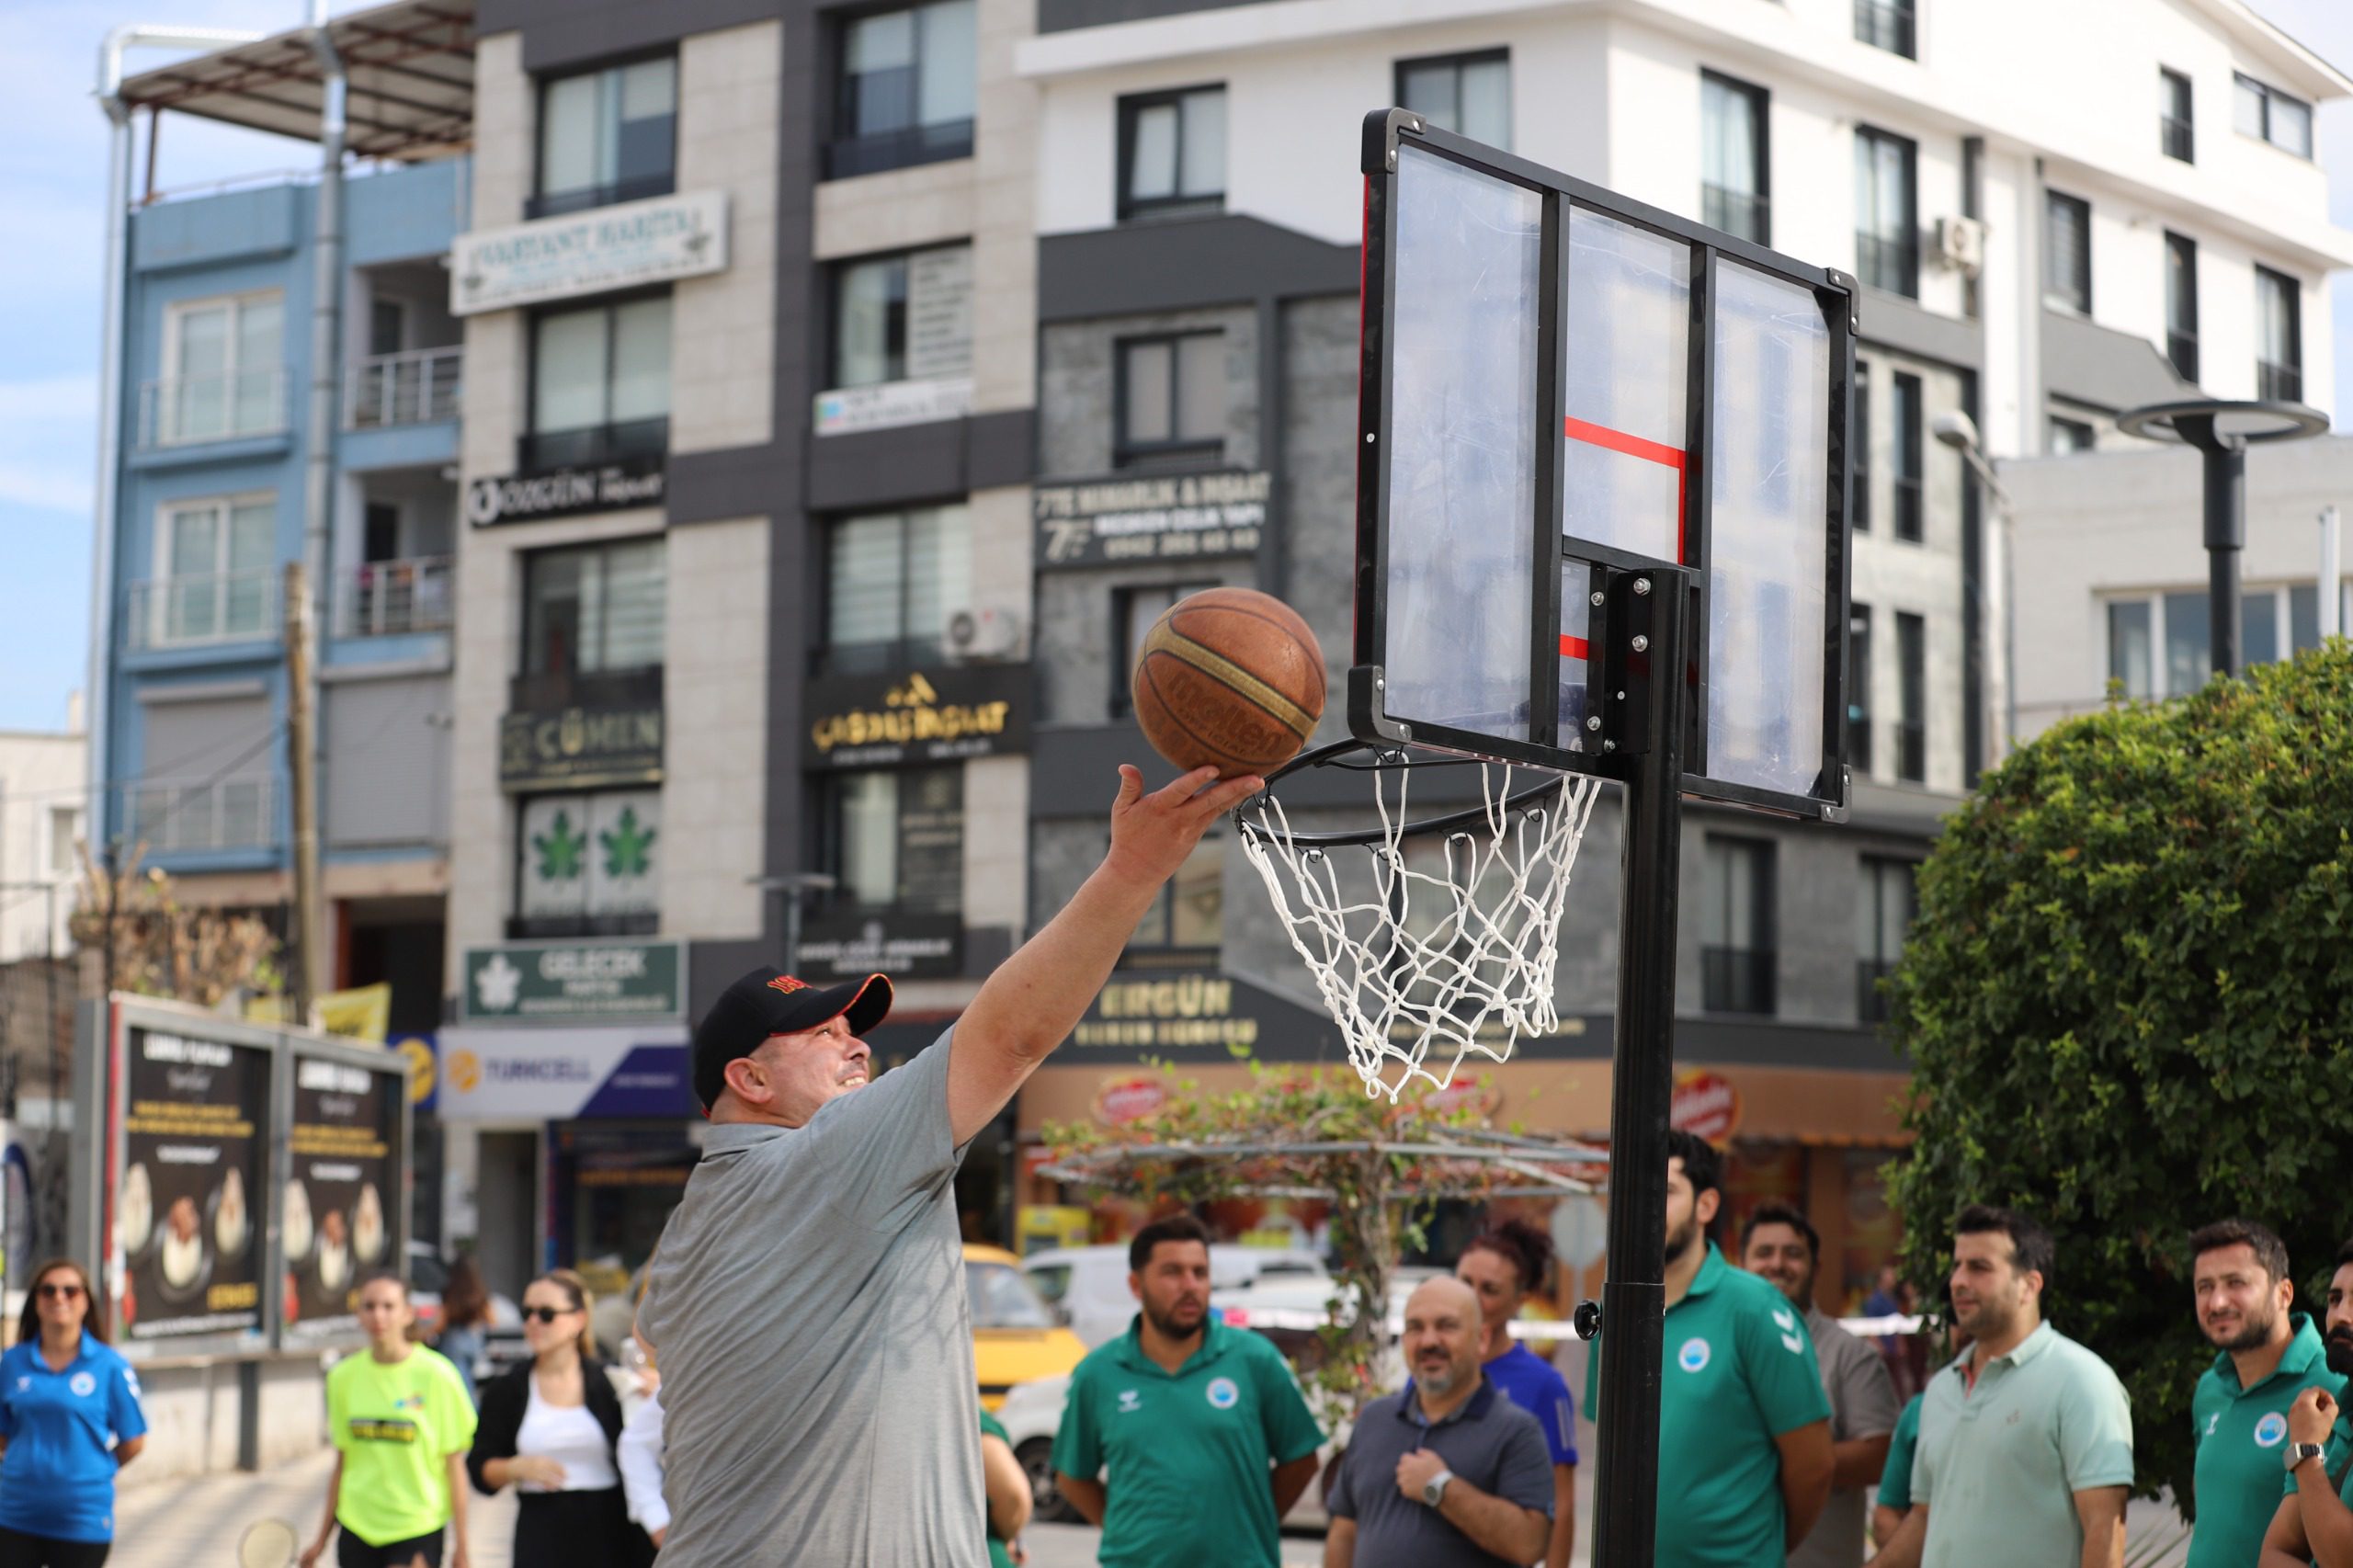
[
  {"x": 342, "y": 1181},
  {"x": 186, "y": 1211}
]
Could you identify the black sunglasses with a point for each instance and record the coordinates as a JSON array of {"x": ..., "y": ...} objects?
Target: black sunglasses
[
  {"x": 546, "y": 1314},
  {"x": 61, "y": 1292}
]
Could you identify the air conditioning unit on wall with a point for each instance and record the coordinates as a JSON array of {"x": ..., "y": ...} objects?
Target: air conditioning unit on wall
[
  {"x": 1960, "y": 245},
  {"x": 976, "y": 635}
]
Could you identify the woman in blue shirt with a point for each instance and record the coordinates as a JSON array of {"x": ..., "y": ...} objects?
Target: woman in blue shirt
[
  {"x": 69, "y": 1420},
  {"x": 1506, "y": 1266}
]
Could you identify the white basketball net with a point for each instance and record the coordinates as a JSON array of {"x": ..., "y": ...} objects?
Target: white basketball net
[{"x": 1423, "y": 964}]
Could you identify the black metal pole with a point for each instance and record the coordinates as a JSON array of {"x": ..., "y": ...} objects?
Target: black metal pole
[
  {"x": 1642, "y": 1079},
  {"x": 2225, "y": 538}
]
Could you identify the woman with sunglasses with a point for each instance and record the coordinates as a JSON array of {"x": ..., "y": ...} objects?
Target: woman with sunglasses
[
  {"x": 69, "y": 1421},
  {"x": 400, "y": 1421},
  {"x": 551, "y": 1428}
]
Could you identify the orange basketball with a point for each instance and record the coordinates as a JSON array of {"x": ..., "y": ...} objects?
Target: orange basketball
[{"x": 1229, "y": 677}]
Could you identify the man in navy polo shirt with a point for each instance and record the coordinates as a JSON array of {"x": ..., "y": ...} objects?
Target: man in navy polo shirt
[{"x": 1449, "y": 1474}]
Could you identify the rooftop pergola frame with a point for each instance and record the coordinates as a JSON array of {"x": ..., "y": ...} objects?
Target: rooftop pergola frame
[{"x": 1465, "y": 1164}]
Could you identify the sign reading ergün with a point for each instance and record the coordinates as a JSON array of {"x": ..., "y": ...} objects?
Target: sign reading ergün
[{"x": 595, "y": 252}]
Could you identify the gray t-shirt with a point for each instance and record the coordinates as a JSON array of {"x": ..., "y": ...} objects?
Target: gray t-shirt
[
  {"x": 1487, "y": 1441},
  {"x": 807, "y": 1305},
  {"x": 1863, "y": 1405}
]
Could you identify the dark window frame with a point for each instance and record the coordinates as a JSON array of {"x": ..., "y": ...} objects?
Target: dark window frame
[
  {"x": 1885, "y": 260},
  {"x": 1743, "y": 980},
  {"x": 2053, "y": 423},
  {"x": 1456, "y": 59},
  {"x": 1175, "y": 450},
  {"x": 1859, "y": 689},
  {"x": 1179, "y": 205},
  {"x": 827, "y": 819},
  {"x": 2181, "y": 311},
  {"x": 528, "y": 669},
  {"x": 1140, "y": 953},
  {"x": 2071, "y": 293},
  {"x": 1718, "y": 202},
  {"x": 1890, "y": 25},
  {"x": 537, "y": 451},
  {"x": 2176, "y": 133},
  {"x": 544, "y": 203},
  {"x": 872, "y": 658},
  {"x": 848, "y": 153},
  {"x": 2270, "y": 95},
  {"x": 1123, "y": 608},
  {"x": 1912, "y": 698},
  {"x": 2275, "y": 378},
  {"x": 1906, "y": 483},
  {"x": 1861, "y": 514},
  {"x": 1871, "y": 1002}
]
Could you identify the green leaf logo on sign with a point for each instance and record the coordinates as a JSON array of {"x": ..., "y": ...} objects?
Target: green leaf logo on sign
[
  {"x": 561, "y": 850},
  {"x": 628, "y": 846}
]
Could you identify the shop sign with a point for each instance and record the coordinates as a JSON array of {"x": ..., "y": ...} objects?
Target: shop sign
[
  {"x": 568, "y": 492},
  {"x": 569, "y": 981},
  {"x": 188, "y": 1214},
  {"x": 851, "y": 944},
  {"x": 497, "y": 1075},
  {"x": 847, "y": 410},
  {"x": 1178, "y": 516},
  {"x": 569, "y": 748},
  {"x": 627, "y": 245},
  {"x": 1123, "y": 1100},
  {"x": 955, "y": 712},
  {"x": 342, "y": 1181},
  {"x": 423, "y": 1060},
  {"x": 1704, "y": 1104},
  {"x": 1161, "y": 1011}
]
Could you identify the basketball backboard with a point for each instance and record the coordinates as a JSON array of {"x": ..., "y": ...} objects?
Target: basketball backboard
[{"x": 1559, "y": 384}]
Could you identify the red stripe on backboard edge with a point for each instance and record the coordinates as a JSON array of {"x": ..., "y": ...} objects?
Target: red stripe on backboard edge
[
  {"x": 1572, "y": 647},
  {"x": 1649, "y": 451}
]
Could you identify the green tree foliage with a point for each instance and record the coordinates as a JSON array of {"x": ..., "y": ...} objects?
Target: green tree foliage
[{"x": 2127, "y": 1000}]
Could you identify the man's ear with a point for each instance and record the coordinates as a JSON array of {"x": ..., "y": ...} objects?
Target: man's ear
[
  {"x": 1704, "y": 1207},
  {"x": 746, "y": 1077},
  {"x": 1135, "y": 1286}
]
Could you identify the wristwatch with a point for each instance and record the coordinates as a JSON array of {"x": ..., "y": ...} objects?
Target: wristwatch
[
  {"x": 2297, "y": 1453},
  {"x": 1435, "y": 1488}
]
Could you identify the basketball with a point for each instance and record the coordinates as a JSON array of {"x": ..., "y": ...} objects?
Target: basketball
[{"x": 1230, "y": 678}]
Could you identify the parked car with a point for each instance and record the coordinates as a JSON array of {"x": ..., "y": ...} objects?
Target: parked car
[
  {"x": 1016, "y": 1337},
  {"x": 1089, "y": 1284}
]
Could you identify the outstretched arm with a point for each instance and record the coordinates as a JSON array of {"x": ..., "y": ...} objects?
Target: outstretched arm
[{"x": 1037, "y": 996}]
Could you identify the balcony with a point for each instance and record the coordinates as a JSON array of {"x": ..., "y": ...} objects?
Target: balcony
[
  {"x": 2284, "y": 383},
  {"x": 198, "y": 818},
  {"x": 179, "y": 612},
  {"x": 2181, "y": 349},
  {"x": 1889, "y": 262},
  {"x": 586, "y": 198},
  {"x": 880, "y": 151},
  {"x": 393, "y": 598},
  {"x": 1736, "y": 980},
  {"x": 1871, "y": 1002},
  {"x": 542, "y": 691},
  {"x": 403, "y": 388},
  {"x": 1886, "y": 26},
  {"x": 187, "y": 410},
  {"x": 1736, "y": 212},
  {"x": 593, "y": 444}
]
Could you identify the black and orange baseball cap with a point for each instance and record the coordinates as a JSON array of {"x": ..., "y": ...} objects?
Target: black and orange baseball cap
[{"x": 769, "y": 1002}]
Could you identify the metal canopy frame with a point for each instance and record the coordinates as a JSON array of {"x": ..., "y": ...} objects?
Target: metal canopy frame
[{"x": 1834, "y": 293}]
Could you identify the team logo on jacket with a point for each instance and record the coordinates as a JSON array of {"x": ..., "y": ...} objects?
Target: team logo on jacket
[
  {"x": 2270, "y": 1431},
  {"x": 1130, "y": 1401},
  {"x": 84, "y": 1385},
  {"x": 1693, "y": 1355},
  {"x": 1222, "y": 1394}
]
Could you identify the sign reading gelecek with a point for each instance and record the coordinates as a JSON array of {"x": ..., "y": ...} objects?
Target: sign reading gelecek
[
  {"x": 568, "y": 492},
  {"x": 954, "y": 712},
  {"x": 571, "y": 746},
  {"x": 1174, "y": 516},
  {"x": 624, "y": 246},
  {"x": 567, "y": 982}
]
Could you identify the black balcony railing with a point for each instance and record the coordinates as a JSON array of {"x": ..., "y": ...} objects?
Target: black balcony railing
[
  {"x": 878, "y": 150},
  {"x": 2181, "y": 348},
  {"x": 556, "y": 203},
  {"x": 542, "y": 691},
  {"x": 591, "y": 444},
  {"x": 2174, "y": 137},
  {"x": 1736, "y": 212},
  {"x": 1870, "y": 1000},
  {"x": 2282, "y": 382},
  {"x": 1885, "y": 24},
  {"x": 1736, "y": 980},
  {"x": 893, "y": 657},
  {"x": 1889, "y": 262},
  {"x": 1912, "y": 752}
]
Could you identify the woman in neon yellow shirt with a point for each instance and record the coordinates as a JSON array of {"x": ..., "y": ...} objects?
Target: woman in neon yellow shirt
[{"x": 402, "y": 1424}]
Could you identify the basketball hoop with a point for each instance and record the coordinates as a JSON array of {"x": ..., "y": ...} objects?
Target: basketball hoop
[{"x": 1448, "y": 958}]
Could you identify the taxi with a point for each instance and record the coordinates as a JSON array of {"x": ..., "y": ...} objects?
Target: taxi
[{"x": 1016, "y": 1337}]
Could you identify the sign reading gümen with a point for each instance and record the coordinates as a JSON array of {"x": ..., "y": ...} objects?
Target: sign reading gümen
[
  {"x": 1175, "y": 517},
  {"x": 623, "y": 246},
  {"x": 567, "y": 982}
]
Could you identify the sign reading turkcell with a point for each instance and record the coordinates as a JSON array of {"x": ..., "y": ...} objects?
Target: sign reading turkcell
[
  {"x": 1175, "y": 517},
  {"x": 626, "y": 246},
  {"x": 566, "y": 492},
  {"x": 570, "y": 982}
]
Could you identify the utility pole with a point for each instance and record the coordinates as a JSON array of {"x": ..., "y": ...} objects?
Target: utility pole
[{"x": 308, "y": 975}]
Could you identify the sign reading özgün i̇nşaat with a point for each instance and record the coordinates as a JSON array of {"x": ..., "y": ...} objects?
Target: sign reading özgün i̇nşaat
[
  {"x": 570, "y": 982},
  {"x": 343, "y": 1178},
  {"x": 187, "y": 1212}
]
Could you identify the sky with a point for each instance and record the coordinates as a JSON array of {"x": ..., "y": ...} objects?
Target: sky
[{"x": 53, "y": 186}]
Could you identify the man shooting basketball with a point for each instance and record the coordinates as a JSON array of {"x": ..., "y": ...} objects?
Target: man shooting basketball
[{"x": 808, "y": 1297}]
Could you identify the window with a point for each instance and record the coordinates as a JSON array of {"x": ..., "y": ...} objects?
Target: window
[
  {"x": 2181, "y": 306},
  {"x": 1466, "y": 94},
  {"x": 892, "y": 582},
  {"x": 1733, "y": 188},
  {"x": 225, "y": 372},
  {"x": 1888, "y": 24},
  {"x": 1887, "y": 242},
  {"x": 606, "y": 136},
  {"x": 1883, "y": 918},
  {"x": 2173, "y": 116},
  {"x": 907, "y": 89},
  {"x": 219, "y": 569},
  {"x": 594, "y": 609},
  {"x": 2270, "y": 114},
  {"x": 601, "y": 385},
  {"x": 1190, "y": 912},
  {"x": 2062, "y": 435},
  {"x": 65, "y": 828},
  {"x": 1862, "y": 446},
  {"x": 2279, "y": 336},
  {"x": 908, "y": 317},
  {"x": 896, "y": 839},
  {"x": 588, "y": 865},
  {"x": 2066, "y": 252},
  {"x": 2131, "y": 649},
  {"x": 1170, "y": 401},
  {"x": 2178, "y": 623},
  {"x": 1133, "y": 612},
  {"x": 1859, "y": 689},
  {"x": 1905, "y": 484},
  {"x": 1912, "y": 699},
  {"x": 1736, "y": 933},
  {"x": 1171, "y": 154}
]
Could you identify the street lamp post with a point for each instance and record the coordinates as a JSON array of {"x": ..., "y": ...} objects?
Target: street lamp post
[
  {"x": 792, "y": 888},
  {"x": 1957, "y": 430}
]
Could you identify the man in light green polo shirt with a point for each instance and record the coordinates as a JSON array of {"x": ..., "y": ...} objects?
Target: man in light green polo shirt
[
  {"x": 2025, "y": 1456},
  {"x": 2242, "y": 1289},
  {"x": 1743, "y": 1426},
  {"x": 1186, "y": 1440}
]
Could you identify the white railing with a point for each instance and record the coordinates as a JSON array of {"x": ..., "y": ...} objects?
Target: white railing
[
  {"x": 404, "y": 388},
  {"x": 229, "y": 813},
  {"x": 188, "y": 409},
  {"x": 225, "y": 606},
  {"x": 386, "y": 598}
]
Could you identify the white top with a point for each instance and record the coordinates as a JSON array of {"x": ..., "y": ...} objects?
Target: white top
[
  {"x": 569, "y": 1436},
  {"x": 642, "y": 1466}
]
